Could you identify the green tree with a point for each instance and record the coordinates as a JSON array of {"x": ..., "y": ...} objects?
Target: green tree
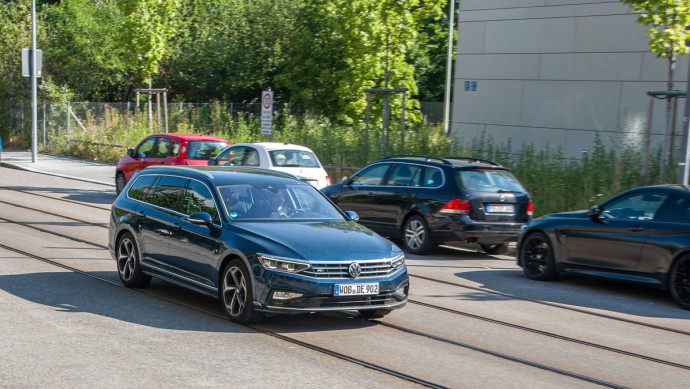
[
  {"x": 343, "y": 47},
  {"x": 669, "y": 32},
  {"x": 148, "y": 29},
  {"x": 84, "y": 54}
]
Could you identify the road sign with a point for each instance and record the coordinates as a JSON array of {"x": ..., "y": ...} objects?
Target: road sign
[
  {"x": 266, "y": 112},
  {"x": 26, "y": 62}
]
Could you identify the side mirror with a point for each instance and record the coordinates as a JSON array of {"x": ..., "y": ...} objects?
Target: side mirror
[
  {"x": 130, "y": 152},
  {"x": 212, "y": 162},
  {"x": 595, "y": 212},
  {"x": 345, "y": 180},
  {"x": 352, "y": 215},
  {"x": 201, "y": 218}
]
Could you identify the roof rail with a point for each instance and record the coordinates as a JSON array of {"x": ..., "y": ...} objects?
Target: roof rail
[
  {"x": 470, "y": 159},
  {"x": 423, "y": 157}
]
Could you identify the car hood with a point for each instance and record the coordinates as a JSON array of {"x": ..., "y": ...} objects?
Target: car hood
[{"x": 342, "y": 240}]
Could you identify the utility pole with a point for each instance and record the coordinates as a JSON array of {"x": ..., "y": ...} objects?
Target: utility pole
[
  {"x": 34, "y": 94},
  {"x": 684, "y": 163},
  {"x": 449, "y": 68}
]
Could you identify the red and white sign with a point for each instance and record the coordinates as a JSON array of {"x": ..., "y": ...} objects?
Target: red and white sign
[{"x": 266, "y": 112}]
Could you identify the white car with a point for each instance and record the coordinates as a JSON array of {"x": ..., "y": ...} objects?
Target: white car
[{"x": 297, "y": 160}]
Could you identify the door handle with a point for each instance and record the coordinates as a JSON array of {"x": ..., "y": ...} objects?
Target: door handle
[
  {"x": 142, "y": 214},
  {"x": 176, "y": 226},
  {"x": 636, "y": 229}
]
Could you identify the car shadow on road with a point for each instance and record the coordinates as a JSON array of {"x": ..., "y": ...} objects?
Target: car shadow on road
[
  {"x": 164, "y": 305},
  {"x": 89, "y": 196},
  {"x": 579, "y": 292}
]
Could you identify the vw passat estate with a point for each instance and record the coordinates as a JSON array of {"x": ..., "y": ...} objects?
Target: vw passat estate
[{"x": 261, "y": 241}]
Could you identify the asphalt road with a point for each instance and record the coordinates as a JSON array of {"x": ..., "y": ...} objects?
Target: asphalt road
[{"x": 80, "y": 328}]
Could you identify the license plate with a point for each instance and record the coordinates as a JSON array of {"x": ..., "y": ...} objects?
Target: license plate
[
  {"x": 355, "y": 289},
  {"x": 500, "y": 208}
]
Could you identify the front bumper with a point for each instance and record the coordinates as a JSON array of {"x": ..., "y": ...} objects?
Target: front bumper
[{"x": 318, "y": 293}]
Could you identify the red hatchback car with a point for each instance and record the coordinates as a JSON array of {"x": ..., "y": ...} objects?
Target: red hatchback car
[{"x": 167, "y": 149}]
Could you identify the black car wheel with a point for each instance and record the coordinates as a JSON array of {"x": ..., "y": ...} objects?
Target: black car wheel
[
  {"x": 129, "y": 263},
  {"x": 374, "y": 313},
  {"x": 119, "y": 183},
  {"x": 417, "y": 239},
  {"x": 536, "y": 257},
  {"x": 495, "y": 249},
  {"x": 236, "y": 293},
  {"x": 679, "y": 282}
]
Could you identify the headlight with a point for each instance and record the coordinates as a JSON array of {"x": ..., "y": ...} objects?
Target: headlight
[
  {"x": 282, "y": 264},
  {"x": 398, "y": 257}
]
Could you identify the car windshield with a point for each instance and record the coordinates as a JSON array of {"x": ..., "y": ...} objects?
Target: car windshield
[
  {"x": 203, "y": 149},
  {"x": 490, "y": 180},
  {"x": 296, "y": 201},
  {"x": 293, "y": 158}
]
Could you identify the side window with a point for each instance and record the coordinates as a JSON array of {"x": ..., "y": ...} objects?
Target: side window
[
  {"x": 372, "y": 175},
  {"x": 405, "y": 175},
  {"x": 164, "y": 148},
  {"x": 675, "y": 209},
  {"x": 232, "y": 157},
  {"x": 145, "y": 148},
  {"x": 141, "y": 187},
  {"x": 198, "y": 198},
  {"x": 252, "y": 158},
  {"x": 433, "y": 177},
  {"x": 638, "y": 206},
  {"x": 168, "y": 193}
]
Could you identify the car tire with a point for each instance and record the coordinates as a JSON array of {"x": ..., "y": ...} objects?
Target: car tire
[
  {"x": 129, "y": 263},
  {"x": 416, "y": 236},
  {"x": 679, "y": 281},
  {"x": 120, "y": 183},
  {"x": 236, "y": 293},
  {"x": 495, "y": 249},
  {"x": 537, "y": 257},
  {"x": 374, "y": 313}
]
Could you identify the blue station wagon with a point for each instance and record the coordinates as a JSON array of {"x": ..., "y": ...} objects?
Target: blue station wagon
[{"x": 261, "y": 241}]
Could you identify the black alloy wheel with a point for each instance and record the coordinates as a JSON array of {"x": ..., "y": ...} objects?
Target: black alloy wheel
[
  {"x": 495, "y": 249},
  {"x": 679, "y": 282},
  {"x": 236, "y": 293},
  {"x": 536, "y": 257},
  {"x": 120, "y": 183},
  {"x": 129, "y": 263},
  {"x": 416, "y": 237}
]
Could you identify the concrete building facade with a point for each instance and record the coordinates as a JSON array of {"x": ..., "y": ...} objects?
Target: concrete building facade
[{"x": 554, "y": 73}]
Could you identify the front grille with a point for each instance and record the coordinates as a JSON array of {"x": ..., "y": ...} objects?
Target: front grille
[{"x": 339, "y": 269}]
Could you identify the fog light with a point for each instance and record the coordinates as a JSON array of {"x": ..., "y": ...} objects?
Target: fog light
[
  {"x": 402, "y": 291},
  {"x": 285, "y": 295}
]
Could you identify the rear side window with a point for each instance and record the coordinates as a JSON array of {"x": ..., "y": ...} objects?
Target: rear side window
[
  {"x": 168, "y": 193},
  {"x": 405, "y": 175},
  {"x": 293, "y": 158},
  {"x": 198, "y": 198},
  {"x": 141, "y": 187},
  {"x": 197, "y": 149},
  {"x": 487, "y": 180}
]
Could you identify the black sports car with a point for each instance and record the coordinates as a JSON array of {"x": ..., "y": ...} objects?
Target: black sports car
[{"x": 641, "y": 236}]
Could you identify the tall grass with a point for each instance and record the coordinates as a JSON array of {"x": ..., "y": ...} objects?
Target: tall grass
[{"x": 555, "y": 181}]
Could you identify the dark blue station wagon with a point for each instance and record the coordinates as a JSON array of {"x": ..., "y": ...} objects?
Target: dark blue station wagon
[{"x": 261, "y": 241}]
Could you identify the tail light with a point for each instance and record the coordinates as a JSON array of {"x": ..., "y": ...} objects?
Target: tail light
[
  {"x": 328, "y": 180},
  {"x": 456, "y": 207},
  {"x": 530, "y": 208}
]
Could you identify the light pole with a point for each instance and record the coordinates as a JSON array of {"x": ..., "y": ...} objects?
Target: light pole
[
  {"x": 34, "y": 113},
  {"x": 684, "y": 162},
  {"x": 449, "y": 68}
]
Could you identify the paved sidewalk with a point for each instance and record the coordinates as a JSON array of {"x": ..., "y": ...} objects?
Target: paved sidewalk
[{"x": 61, "y": 166}]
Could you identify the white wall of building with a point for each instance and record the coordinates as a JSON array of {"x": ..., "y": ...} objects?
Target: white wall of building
[{"x": 553, "y": 73}]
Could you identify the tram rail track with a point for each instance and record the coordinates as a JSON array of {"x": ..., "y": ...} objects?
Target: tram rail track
[{"x": 390, "y": 325}]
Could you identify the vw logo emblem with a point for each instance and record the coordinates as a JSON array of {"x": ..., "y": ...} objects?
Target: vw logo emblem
[{"x": 354, "y": 269}]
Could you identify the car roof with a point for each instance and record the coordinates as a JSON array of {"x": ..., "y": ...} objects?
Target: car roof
[
  {"x": 452, "y": 161},
  {"x": 181, "y": 135},
  {"x": 275, "y": 146},
  {"x": 222, "y": 175}
]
